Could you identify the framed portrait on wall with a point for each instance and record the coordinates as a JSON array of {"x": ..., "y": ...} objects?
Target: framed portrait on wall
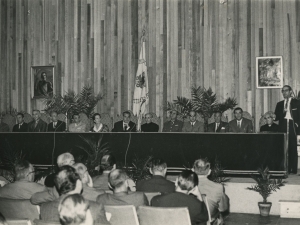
[
  {"x": 269, "y": 72},
  {"x": 42, "y": 81}
]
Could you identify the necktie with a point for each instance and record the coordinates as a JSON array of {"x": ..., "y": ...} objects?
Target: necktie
[
  {"x": 286, "y": 105},
  {"x": 217, "y": 126},
  {"x": 19, "y": 126},
  {"x": 192, "y": 124},
  {"x": 125, "y": 126},
  {"x": 36, "y": 122},
  {"x": 54, "y": 124}
]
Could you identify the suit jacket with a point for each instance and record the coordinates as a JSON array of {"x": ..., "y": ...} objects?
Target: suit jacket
[
  {"x": 4, "y": 127},
  {"x": 295, "y": 113},
  {"x": 124, "y": 198},
  {"x": 21, "y": 189},
  {"x": 150, "y": 127},
  {"x": 23, "y": 128},
  {"x": 197, "y": 209},
  {"x": 198, "y": 127},
  {"x": 223, "y": 127},
  {"x": 118, "y": 127},
  {"x": 40, "y": 127},
  {"x": 81, "y": 127},
  {"x": 169, "y": 126},
  {"x": 273, "y": 128},
  {"x": 246, "y": 127},
  {"x": 49, "y": 211},
  {"x": 60, "y": 126},
  {"x": 156, "y": 184}
]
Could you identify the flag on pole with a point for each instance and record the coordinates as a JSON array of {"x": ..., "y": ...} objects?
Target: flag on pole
[{"x": 140, "y": 96}]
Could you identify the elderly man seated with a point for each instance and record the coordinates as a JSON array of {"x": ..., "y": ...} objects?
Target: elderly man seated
[
  {"x": 118, "y": 181},
  {"x": 67, "y": 182},
  {"x": 186, "y": 182},
  {"x": 24, "y": 186},
  {"x": 217, "y": 199},
  {"x": 270, "y": 126}
]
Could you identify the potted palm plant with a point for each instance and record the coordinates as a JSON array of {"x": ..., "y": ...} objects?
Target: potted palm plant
[{"x": 265, "y": 186}]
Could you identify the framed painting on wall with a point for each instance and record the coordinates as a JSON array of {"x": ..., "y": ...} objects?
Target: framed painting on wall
[
  {"x": 42, "y": 81},
  {"x": 269, "y": 72}
]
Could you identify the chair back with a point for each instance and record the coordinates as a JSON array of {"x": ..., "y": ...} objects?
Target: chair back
[
  {"x": 164, "y": 216},
  {"x": 9, "y": 120},
  {"x": 150, "y": 195},
  {"x": 207, "y": 206},
  {"x": 121, "y": 214},
  {"x": 107, "y": 120},
  {"x": 45, "y": 222},
  {"x": 18, "y": 222},
  {"x": 18, "y": 209},
  {"x": 212, "y": 119}
]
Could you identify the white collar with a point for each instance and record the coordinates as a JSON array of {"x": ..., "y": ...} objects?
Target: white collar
[{"x": 100, "y": 127}]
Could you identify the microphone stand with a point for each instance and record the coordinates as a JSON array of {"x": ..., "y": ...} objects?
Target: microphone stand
[{"x": 66, "y": 130}]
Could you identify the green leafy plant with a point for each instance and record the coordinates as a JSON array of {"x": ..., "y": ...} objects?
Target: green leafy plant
[
  {"x": 71, "y": 102},
  {"x": 264, "y": 184},
  {"x": 139, "y": 169}
]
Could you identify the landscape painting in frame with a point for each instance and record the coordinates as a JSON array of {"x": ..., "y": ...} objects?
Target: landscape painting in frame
[
  {"x": 269, "y": 72},
  {"x": 42, "y": 81}
]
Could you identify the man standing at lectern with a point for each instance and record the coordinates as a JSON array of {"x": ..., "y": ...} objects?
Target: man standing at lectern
[{"x": 288, "y": 113}]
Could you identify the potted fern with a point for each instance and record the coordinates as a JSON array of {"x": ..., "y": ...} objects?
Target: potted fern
[{"x": 265, "y": 186}]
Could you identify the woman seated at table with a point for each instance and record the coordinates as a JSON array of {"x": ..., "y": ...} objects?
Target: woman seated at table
[
  {"x": 98, "y": 126},
  {"x": 270, "y": 126}
]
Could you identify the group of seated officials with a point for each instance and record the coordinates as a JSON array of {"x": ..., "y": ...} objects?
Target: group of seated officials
[
  {"x": 72, "y": 184},
  {"x": 238, "y": 125}
]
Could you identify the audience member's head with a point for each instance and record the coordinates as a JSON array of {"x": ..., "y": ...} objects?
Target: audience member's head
[
  {"x": 217, "y": 117},
  {"x": 238, "y": 113},
  {"x": 173, "y": 115},
  {"x": 158, "y": 167},
  {"x": 270, "y": 117},
  {"x": 24, "y": 171},
  {"x": 192, "y": 116},
  {"x": 2, "y": 220},
  {"x": 36, "y": 114},
  {"x": 20, "y": 118},
  {"x": 76, "y": 118},
  {"x": 118, "y": 180},
  {"x": 126, "y": 116},
  {"x": 148, "y": 117},
  {"x": 74, "y": 210},
  {"x": 97, "y": 118},
  {"x": 67, "y": 181},
  {"x": 83, "y": 173},
  {"x": 54, "y": 116},
  {"x": 201, "y": 167},
  {"x": 65, "y": 159},
  {"x": 108, "y": 163},
  {"x": 286, "y": 91},
  {"x": 187, "y": 180}
]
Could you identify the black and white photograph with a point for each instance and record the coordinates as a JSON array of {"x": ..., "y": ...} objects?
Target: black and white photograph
[{"x": 42, "y": 81}]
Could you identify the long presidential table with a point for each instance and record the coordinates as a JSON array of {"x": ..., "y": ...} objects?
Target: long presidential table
[{"x": 235, "y": 152}]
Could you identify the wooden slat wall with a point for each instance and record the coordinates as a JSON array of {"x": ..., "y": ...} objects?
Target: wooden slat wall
[{"x": 188, "y": 42}]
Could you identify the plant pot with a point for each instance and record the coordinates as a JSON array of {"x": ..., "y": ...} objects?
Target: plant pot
[{"x": 264, "y": 208}]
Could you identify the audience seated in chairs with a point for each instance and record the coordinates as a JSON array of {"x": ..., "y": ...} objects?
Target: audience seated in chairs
[
  {"x": 56, "y": 125},
  {"x": 193, "y": 125},
  {"x": 74, "y": 210},
  {"x": 149, "y": 126},
  {"x": 98, "y": 126},
  {"x": 173, "y": 125},
  {"x": 37, "y": 125},
  {"x": 118, "y": 181},
  {"x": 107, "y": 164},
  {"x": 158, "y": 182},
  {"x": 24, "y": 186},
  {"x": 240, "y": 124},
  {"x": 3, "y": 126},
  {"x": 77, "y": 125},
  {"x": 67, "y": 182},
  {"x": 126, "y": 125},
  {"x": 270, "y": 126},
  {"x": 215, "y": 193},
  {"x": 187, "y": 180},
  {"x": 218, "y": 126},
  {"x": 21, "y": 126}
]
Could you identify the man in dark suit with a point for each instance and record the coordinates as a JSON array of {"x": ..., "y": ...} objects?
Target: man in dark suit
[
  {"x": 37, "y": 125},
  {"x": 173, "y": 125},
  {"x": 21, "y": 126},
  {"x": 193, "y": 125},
  {"x": 240, "y": 124},
  {"x": 56, "y": 125},
  {"x": 288, "y": 113},
  {"x": 149, "y": 126},
  {"x": 218, "y": 126},
  {"x": 3, "y": 126},
  {"x": 125, "y": 125},
  {"x": 67, "y": 182},
  {"x": 187, "y": 180},
  {"x": 270, "y": 126},
  {"x": 158, "y": 182},
  {"x": 118, "y": 182}
]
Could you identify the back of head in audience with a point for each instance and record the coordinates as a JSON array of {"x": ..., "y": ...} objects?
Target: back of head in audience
[
  {"x": 201, "y": 167},
  {"x": 108, "y": 163},
  {"x": 2, "y": 220},
  {"x": 83, "y": 173},
  {"x": 158, "y": 167},
  {"x": 187, "y": 180},
  {"x": 67, "y": 181},
  {"x": 65, "y": 159},
  {"x": 118, "y": 180},
  {"x": 73, "y": 209},
  {"x": 24, "y": 171}
]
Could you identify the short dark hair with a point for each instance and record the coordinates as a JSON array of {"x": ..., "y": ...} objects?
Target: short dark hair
[
  {"x": 21, "y": 169},
  {"x": 189, "y": 177},
  {"x": 237, "y": 108},
  {"x": 127, "y": 112},
  {"x": 96, "y": 114},
  {"x": 65, "y": 180},
  {"x": 20, "y": 114},
  {"x": 158, "y": 164},
  {"x": 36, "y": 110},
  {"x": 117, "y": 178},
  {"x": 288, "y": 86}
]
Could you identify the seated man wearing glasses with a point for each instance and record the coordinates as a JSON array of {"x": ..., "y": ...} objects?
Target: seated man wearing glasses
[
  {"x": 24, "y": 186},
  {"x": 149, "y": 126}
]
